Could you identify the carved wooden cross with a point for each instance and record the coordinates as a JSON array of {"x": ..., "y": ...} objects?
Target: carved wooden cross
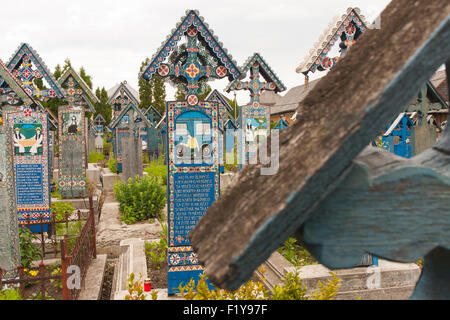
[
  {"x": 26, "y": 74},
  {"x": 323, "y": 193},
  {"x": 255, "y": 86},
  {"x": 192, "y": 69}
]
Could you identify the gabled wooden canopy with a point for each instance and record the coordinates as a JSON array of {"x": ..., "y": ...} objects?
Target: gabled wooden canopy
[
  {"x": 88, "y": 96},
  {"x": 264, "y": 69},
  {"x": 152, "y": 113},
  {"x": 9, "y": 82},
  {"x": 367, "y": 89},
  {"x": 206, "y": 34},
  {"x": 21, "y": 96},
  {"x": 124, "y": 111},
  {"x": 26, "y": 49},
  {"x": 217, "y": 96}
]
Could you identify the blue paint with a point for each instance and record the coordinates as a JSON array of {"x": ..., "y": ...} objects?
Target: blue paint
[
  {"x": 29, "y": 184},
  {"x": 175, "y": 279},
  {"x": 193, "y": 195},
  {"x": 401, "y": 128},
  {"x": 282, "y": 124}
]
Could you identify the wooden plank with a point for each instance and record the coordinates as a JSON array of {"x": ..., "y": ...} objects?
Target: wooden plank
[{"x": 345, "y": 110}]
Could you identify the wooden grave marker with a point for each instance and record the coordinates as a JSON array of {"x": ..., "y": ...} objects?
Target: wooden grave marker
[
  {"x": 254, "y": 117},
  {"x": 31, "y": 159},
  {"x": 192, "y": 138},
  {"x": 9, "y": 230},
  {"x": 72, "y": 152}
]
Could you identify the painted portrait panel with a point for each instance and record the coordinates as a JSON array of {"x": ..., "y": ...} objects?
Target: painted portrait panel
[
  {"x": 71, "y": 123},
  {"x": 28, "y": 139}
]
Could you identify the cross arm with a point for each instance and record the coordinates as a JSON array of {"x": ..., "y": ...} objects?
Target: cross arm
[{"x": 394, "y": 208}]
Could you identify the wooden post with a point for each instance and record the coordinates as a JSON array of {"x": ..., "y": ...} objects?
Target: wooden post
[
  {"x": 21, "y": 284},
  {"x": 64, "y": 266},
  {"x": 92, "y": 221},
  {"x": 42, "y": 275}
]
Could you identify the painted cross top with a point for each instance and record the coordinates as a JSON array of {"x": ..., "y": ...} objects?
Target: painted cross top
[
  {"x": 201, "y": 59},
  {"x": 26, "y": 65},
  {"x": 77, "y": 91},
  {"x": 347, "y": 28},
  {"x": 257, "y": 67}
]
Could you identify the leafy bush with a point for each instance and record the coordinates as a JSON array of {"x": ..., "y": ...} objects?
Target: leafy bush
[
  {"x": 10, "y": 294},
  {"x": 157, "y": 251},
  {"x": 135, "y": 289},
  {"x": 73, "y": 229},
  {"x": 28, "y": 250},
  {"x": 95, "y": 157},
  {"x": 296, "y": 254},
  {"x": 145, "y": 158},
  {"x": 140, "y": 199},
  {"x": 292, "y": 289},
  {"x": 55, "y": 193},
  {"x": 112, "y": 165},
  {"x": 157, "y": 169}
]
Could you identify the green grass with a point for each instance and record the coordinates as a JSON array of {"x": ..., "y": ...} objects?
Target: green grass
[
  {"x": 94, "y": 157},
  {"x": 157, "y": 169}
]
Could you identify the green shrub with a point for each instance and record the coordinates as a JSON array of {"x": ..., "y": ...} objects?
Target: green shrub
[
  {"x": 73, "y": 229},
  {"x": 140, "y": 199},
  {"x": 56, "y": 194},
  {"x": 112, "y": 165},
  {"x": 291, "y": 289},
  {"x": 95, "y": 157},
  {"x": 296, "y": 254},
  {"x": 157, "y": 251},
  {"x": 10, "y": 294},
  {"x": 157, "y": 169},
  {"x": 28, "y": 250},
  {"x": 145, "y": 158}
]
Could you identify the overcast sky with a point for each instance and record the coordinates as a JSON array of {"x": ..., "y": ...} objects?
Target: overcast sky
[{"x": 111, "y": 38}]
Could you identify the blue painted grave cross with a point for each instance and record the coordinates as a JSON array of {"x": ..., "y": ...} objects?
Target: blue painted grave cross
[
  {"x": 126, "y": 125},
  {"x": 254, "y": 117},
  {"x": 192, "y": 139},
  {"x": 9, "y": 232},
  {"x": 396, "y": 139},
  {"x": 76, "y": 90},
  {"x": 26, "y": 65},
  {"x": 29, "y": 155}
]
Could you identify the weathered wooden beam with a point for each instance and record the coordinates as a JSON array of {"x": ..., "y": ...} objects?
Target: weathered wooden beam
[
  {"x": 346, "y": 109},
  {"x": 392, "y": 207}
]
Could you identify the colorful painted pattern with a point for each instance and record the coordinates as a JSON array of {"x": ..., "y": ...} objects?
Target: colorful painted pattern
[
  {"x": 26, "y": 65},
  {"x": 255, "y": 117},
  {"x": 76, "y": 90},
  {"x": 345, "y": 29},
  {"x": 9, "y": 238},
  {"x": 72, "y": 155},
  {"x": 192, "y": 18},
  {"x": 25, "y": 156}
]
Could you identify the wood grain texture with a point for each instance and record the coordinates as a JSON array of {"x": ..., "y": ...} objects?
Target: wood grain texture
[{"x": 338, "y": 118}]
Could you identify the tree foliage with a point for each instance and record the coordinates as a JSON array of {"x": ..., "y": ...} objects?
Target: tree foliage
[
  {"x": 103, "y": 107},
  {"x": 153, "y": 92}
]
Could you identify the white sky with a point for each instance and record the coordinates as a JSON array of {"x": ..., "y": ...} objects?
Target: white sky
[{"x": 111, "y": 38}]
